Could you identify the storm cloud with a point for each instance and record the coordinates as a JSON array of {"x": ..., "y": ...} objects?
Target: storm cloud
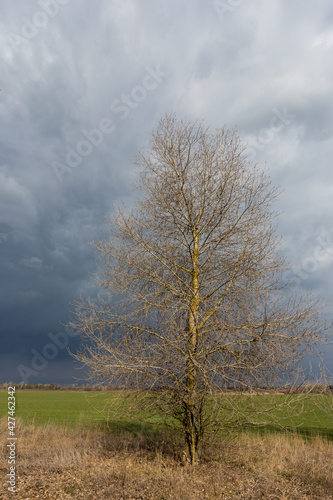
[{"x": 83, "y": 84}]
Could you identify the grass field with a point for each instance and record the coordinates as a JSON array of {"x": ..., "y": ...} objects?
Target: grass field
[
  {"x": 64, "y": 453},
  {"x": 75, "y": 408},
  {"x": 69, "y": 408}
]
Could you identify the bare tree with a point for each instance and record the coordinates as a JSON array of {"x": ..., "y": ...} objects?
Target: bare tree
[{"x": 197, "y": 300}]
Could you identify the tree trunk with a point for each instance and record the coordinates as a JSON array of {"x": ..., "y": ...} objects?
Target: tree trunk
[
  {"x": 192, "y": 434},
  {"x": 192, "y": 427}
]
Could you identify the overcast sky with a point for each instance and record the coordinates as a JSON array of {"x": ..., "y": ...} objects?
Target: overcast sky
[{"x": 84, "y": 82}]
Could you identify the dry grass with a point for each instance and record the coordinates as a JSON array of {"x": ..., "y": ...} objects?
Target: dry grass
[{"x": 56, "y": 463}]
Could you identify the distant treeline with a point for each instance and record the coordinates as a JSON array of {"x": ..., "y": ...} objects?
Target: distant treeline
[
  {"x": 53, "y": 387},
  {"x": 300, "y": 389}
]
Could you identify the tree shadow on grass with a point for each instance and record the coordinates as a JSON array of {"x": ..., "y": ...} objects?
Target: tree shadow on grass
[
  {"x": 159, "y": 441},
  {"x": 156, "y": 439},
  {"x": 306, "y": 432},
  {"x": 134, "y": 429},
  {"x": 130, "y": 427}
]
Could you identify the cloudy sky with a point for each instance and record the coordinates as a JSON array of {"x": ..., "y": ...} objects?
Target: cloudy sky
[{"x": 82, "y": 85}]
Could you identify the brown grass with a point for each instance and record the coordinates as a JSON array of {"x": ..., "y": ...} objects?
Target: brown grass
[{"x": 55, "y": 463}]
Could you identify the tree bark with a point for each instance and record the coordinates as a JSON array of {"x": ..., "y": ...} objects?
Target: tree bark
[{"x": 192, "y": 428}]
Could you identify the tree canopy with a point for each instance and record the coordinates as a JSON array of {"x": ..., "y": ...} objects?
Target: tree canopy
[{"x": 196, "y": 296}]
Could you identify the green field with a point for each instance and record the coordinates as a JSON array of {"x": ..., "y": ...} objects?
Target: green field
[
  {"x": 76, "y": 408},
  {"x": 69, "y": 408}
]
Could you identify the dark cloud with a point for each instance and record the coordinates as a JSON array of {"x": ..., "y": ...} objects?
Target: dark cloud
[{"x": 82, "y": 85}]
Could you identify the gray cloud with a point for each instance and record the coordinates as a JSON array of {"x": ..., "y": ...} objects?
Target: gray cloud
[{"x": 85, "y": 60}]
